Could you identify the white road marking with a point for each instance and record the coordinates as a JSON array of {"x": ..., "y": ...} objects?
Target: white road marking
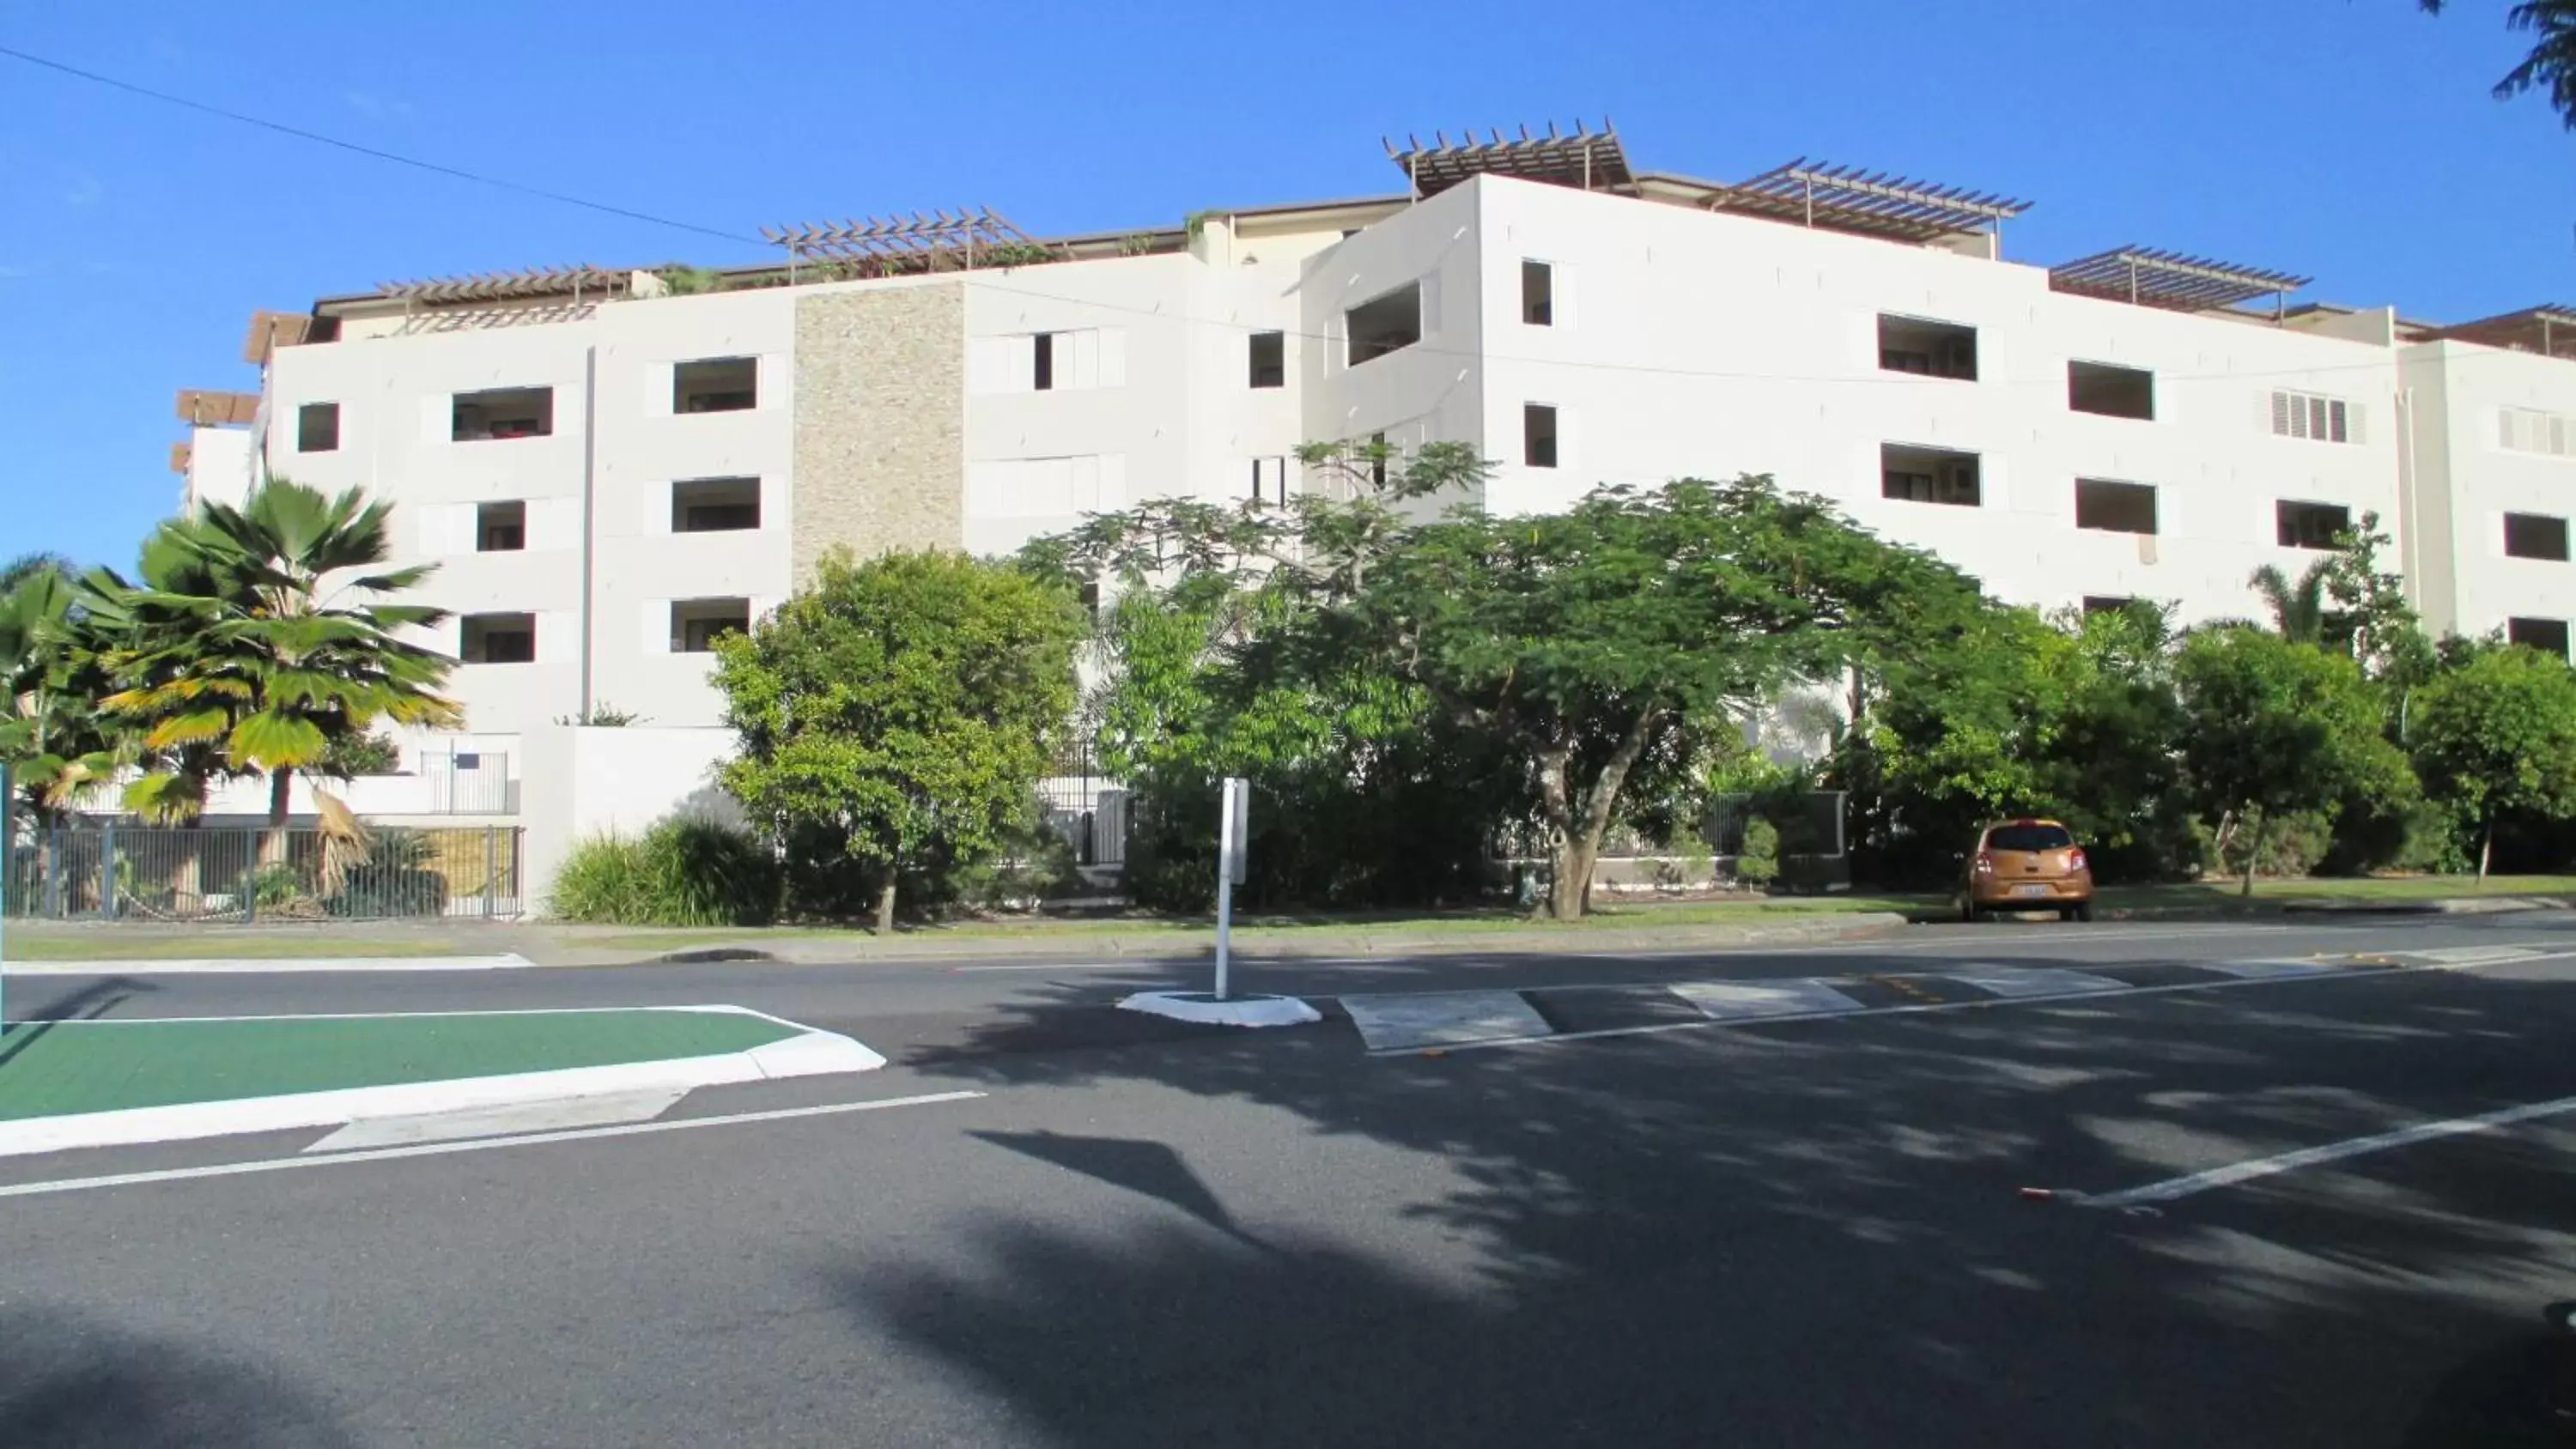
[
  {"x": 1753, "y": 1000},
  {"x": 2275, "y": 970},
  {"x": 517, "y": 1119},
  {"x": 2027, "y": 981},
  {"x": 2228, "y": 1176},
  {"x": 1148, "y": 963},
  {"x": 432, "y": 1149},
  {"x": 2474, "y": 955},
  {"x": 1442, "y": 1018},
  {"x": 1988, "y": 1003}
]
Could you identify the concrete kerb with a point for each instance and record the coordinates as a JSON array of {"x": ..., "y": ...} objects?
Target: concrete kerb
[
  {"x": 262, "y": 965},
  {"x": 811, "y": 1053}
]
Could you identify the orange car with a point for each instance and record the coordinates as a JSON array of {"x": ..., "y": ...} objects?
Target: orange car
[{"x": 2028, "y": 865}]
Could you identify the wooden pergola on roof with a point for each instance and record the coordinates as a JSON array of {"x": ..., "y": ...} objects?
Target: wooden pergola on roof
[
  {"x": 2547, "y": 330},
  {"x": 1873, "y": 203},
  {"x": 574, "y": 282},
  {"x": 976, "y": 235},
  {"x": 1584, "y": 160},
  {"x": 2170, "y": 280}
]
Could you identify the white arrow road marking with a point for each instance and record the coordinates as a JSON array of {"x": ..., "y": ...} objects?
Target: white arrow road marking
[
  {"x": 1744, "y": 1000},
  {"x": 598, "y": 1110}
]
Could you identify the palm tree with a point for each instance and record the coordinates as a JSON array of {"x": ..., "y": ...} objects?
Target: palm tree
[
  {"x": 2551, "y": 65},
  {"x": 28, "y": 565},
  {"x": 247, "y": 646},
  {"x": 2298, "y": 610},
  {"x": 51, "y": 737}
]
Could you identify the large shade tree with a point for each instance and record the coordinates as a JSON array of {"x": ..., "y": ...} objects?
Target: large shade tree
[
  {"x": 2273, "y": 727},
  {"x": 902, "y": 709},
  {"x": 257, "y": 639},
  {"x": 2495, "y": 737},
  {"x": 1590, "y": 641}
]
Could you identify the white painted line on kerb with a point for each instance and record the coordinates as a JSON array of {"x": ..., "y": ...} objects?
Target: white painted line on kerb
[
  {"x": 433, "y": 1149},
  {"x": 2032, "y": 981},
  {"x": 2218, "y": 1177}
]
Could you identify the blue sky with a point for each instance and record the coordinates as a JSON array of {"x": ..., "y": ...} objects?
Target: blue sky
[{"x": 2351, "y": 140}]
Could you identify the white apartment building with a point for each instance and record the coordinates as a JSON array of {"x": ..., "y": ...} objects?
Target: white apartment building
[{"x": 609, "y": 474}]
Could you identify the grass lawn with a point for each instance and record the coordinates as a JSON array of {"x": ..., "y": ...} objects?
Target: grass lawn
[
  {"x": 1256, "y": 925},
  {"x": 51, "y": 1068},
  {"x": 2223, "y": 894}
]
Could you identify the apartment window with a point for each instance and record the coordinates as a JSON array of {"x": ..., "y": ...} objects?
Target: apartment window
[
  {"x": 1929, "y": 475},
  {"x": 1270, "y": 482},
  {"x": 2106, "y": 604},
  {"x": 696, "y": 624},
  {"x": 2111, "y": 392},
  {"x": 1269, "y": 359},
  {"x": 2115, "y": 507},
  {"x": 2535, "y": 535},
  {"x": 715, "y": 505},
  {"x": 2309, "y": 525},
  {"x": 500, "y": 527},
  {"x": 1927, "y": 348},
  {"x": 498, "y": 639},
  {"x": 1538, "y": 435},
  {"x": 505, "y": 412},
  {"x": 2549, "y": 636},
  {"x": 1042, "y": 362},
  {"x": 2314, "y": 417},
  {"x": 2529, "y": 430},
  {"x": 1384, "y": 324},
  {"x": 716, "y": 385},
  {"x": 1538, "y": 294},
  {"x": 317, "y": 428}
]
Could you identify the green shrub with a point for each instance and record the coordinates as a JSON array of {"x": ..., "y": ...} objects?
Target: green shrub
[
  {"x": 679, "y": 873},
  {"x": 1758, "y": 864}
]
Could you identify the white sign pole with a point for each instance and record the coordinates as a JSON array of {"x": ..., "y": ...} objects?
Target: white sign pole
[{"x": 1233, "y": 821}]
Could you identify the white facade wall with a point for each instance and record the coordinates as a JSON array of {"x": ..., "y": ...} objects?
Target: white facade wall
[
  {"x": 1690, "y": 343},
  {"x": 2465, "y": 481}
]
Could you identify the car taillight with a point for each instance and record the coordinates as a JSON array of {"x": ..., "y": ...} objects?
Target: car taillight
[
  {"x": 2075, "y": 859},
  {"x": 1985, "y": 863}
]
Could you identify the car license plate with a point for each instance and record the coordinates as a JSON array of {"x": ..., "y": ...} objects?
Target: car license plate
[{"x": 2030, "y": 890}]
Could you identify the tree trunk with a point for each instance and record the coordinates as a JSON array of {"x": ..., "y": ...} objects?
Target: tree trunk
[
  {"x": 1577, "y": 843},
  {"x": 281, "y": 790},
  {"x": 885, "y": 904},
  {"x": 2253, "y": 852},
  {"x": 2486, "y": 850}
]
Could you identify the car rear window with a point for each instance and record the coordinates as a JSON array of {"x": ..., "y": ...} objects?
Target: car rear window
[{"x": 2028, "y": 837}]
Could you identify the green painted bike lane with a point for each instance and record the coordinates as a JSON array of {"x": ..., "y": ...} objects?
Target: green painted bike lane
[{"x": 51, "y": 1069}]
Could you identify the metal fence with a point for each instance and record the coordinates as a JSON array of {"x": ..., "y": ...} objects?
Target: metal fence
[{"x": 251, "y": 874}]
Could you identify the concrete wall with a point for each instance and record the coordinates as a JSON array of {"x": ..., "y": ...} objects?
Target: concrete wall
[
  {"x": 585, "y": 783},
  {"x": 2468, "y": 481}
]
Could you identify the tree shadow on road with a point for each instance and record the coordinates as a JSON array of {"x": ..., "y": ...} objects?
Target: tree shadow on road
[
  {"x": 1803, "y": 1234},
  {"x": 67, "y": 1382}
]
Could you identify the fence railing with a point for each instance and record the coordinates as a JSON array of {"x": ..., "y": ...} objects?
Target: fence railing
[
  {"x": 234, "y": 874},
  {"x": 1089, "y": 814}
]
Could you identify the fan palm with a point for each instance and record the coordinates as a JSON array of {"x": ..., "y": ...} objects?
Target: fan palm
[
  {"x": 255, "y": 637},
  {"x": 50, "y": 734},
  {"x": 2298, "y": 610},
  {"x": 2551, "y": 65}
]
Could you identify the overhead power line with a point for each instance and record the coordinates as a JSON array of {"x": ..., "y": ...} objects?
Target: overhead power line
[{"x": 355, "y": 148}]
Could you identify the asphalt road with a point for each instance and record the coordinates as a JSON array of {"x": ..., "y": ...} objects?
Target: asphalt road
[{"x": 1797, "y": 1234}]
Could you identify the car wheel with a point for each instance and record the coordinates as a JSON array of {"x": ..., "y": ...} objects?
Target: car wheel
[
  {"x": 2066, "y": 913},
  {"x": 2084, "y": 910},
  {"x": 1967, "y": 910}
]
